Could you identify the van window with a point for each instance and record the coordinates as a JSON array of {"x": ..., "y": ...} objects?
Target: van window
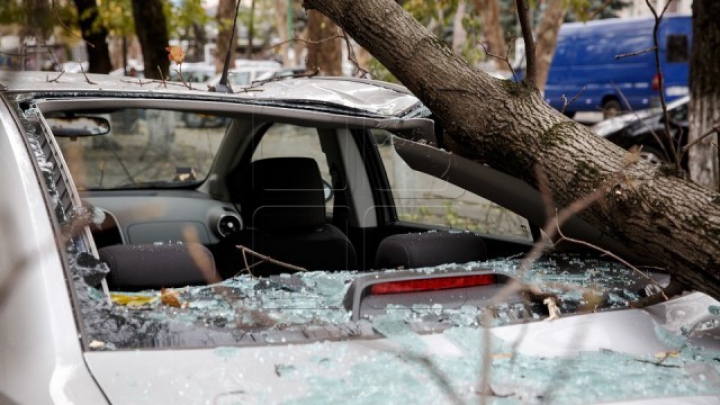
[{"x": 677, "y": 48}]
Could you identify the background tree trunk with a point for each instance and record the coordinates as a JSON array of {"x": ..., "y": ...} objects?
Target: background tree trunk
[
  {"x": 705, "y": 93},
  {"x": 280, "y": 7},
  {"x": 547, "y": 36},
  {"x": 251, "y": 31},
  {"x": 152, "y": 32},
  {"x": 670, "y": 221},
  {"x": 459, "y": 34},
  {"x": 323, "y": 51},
  {"x": 95, "y": 37},
  {"x": 225, "y": 16},
  {"x": 490, "y": 13}
]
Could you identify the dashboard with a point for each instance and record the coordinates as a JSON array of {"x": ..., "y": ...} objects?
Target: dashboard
[{"x": 153, "y": 216}]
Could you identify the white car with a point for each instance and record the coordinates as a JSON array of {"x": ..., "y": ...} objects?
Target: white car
[
  {"x": 245, "y": 72},
  {"x": 317, "y": 247}
]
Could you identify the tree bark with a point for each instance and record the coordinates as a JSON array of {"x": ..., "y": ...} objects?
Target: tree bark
[
  {"x": 95, "y": 37},
  {"x": 324, "y": 53},
  {"x": 705, "y": 93},
  {"x": 490, "y": 12},
  {"x": 225, "y": 16},
  {"x": 670, "y": 221},
  {"x": 152, "y": 32},
  {"x": 547, "y": 35}
]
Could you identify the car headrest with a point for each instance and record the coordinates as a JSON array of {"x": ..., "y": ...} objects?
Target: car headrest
[
  {"x": 152, "y": 266},
  {"x": 428, "y": 249},
  {"x": 281, "y": 193}
]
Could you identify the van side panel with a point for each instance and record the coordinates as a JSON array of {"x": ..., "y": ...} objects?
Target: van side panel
[{"x": 604, "y": 60}]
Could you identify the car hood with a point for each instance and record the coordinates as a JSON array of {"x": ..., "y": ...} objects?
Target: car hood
[
  {"x": 612, "y": 125},
  {"x": 632, "y": 356}
]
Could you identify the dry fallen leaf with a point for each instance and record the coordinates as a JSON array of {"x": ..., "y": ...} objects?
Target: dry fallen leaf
[
  {"x": 175, "y": 54},
  {"x": 133, "y": 300},
  {"x": 170, "y": 297},
  {"x": 663, "y": 355}
]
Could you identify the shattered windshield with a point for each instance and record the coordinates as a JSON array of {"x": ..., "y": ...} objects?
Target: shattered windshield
[{"x": 143, "y": 148}]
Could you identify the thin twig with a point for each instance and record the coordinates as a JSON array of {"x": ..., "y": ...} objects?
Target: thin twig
[
  {"x": 567, "y": 102},
  {"x": 138, "y": 81},
  {"x": 68, "y": 29},
  {"x": 87, "y": 79},
  {"x": 351, "y": 55},
  {"x": 661, "y": 81},
  {"x": 628, "y": 55},
  {"x": 599, "y": 9},
  {"x": 49, "y": 80},
  {"x": 182, "y": 79},
  {"x": 564, "y": 238},
  {"x": 700, "y": 138},
  {"x": 257, "y": 83},
  {"x": 654, "y": 134},
  {"x": 270, "y": 259},
  {"x": 162, "y": 77},
  {"x": 302, "y": 40},
  {"x": 502, "y": 58}
]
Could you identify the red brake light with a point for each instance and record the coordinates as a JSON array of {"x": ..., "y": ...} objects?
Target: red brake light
[
  {"x": 443, "y": 283},
  {"x": 656, "y": 82}
]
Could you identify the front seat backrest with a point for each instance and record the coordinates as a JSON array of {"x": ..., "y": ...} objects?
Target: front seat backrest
[
  {"x": 413, "y": 250},
  {"x": 282, "y": 202},
  {"x": 153, "y": 266}
]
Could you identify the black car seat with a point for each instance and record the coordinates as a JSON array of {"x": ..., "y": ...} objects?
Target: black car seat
[
  {"x": 153, "y": 266},
  {"x": 283, "y": 206},
  {"x": 427, "y": 249}
]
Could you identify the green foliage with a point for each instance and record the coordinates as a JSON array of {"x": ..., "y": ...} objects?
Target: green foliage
[
  {"x": 116, "y": 16},
  {"x": 579, "y": 10},
  {"x": 183, "y": 14},
  {"x": 583, "y": 10},
  {"x": 32, "y": 14},
  {"x": 380, "y": 72}
]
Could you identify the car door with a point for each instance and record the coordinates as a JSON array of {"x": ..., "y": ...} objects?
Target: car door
[{"x": 415, "y": 201}]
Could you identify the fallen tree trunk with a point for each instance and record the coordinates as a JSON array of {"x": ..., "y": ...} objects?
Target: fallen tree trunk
[{"x": 508, "y": 126}]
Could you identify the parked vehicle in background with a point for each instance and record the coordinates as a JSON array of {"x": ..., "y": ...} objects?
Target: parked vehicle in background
[
  {"x": 134, "y": 68},
  {"x": 192, "y": 72},
  {"x": 245, "y": 72},
  {"x": 646, "y": 130},
  {"x": 285, "y": 73},
  {"x": 611, "y": 66}
]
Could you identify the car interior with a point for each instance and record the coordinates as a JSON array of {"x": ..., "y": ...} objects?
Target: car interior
[{"x": 261, "y": 190}]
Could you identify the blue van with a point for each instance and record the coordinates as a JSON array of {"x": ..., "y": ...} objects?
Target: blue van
[{"x": 587, "y": 63}]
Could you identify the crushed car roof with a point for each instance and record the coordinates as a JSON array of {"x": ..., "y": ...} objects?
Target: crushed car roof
[{"x": 372, "y": 97}]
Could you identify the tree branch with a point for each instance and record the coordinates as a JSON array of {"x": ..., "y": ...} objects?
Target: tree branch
[
  {"x": 700, "y": 138},
  {"x": 523, "y": 11},
  {"x": 661, "y": 83},
  {"x": 502, "y": 58}
]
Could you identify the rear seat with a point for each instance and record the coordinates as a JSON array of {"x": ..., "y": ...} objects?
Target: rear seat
[{"x": 413, "y": 250}]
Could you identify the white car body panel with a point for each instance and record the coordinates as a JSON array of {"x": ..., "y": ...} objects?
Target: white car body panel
[{"x": 40, "y": 351}]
